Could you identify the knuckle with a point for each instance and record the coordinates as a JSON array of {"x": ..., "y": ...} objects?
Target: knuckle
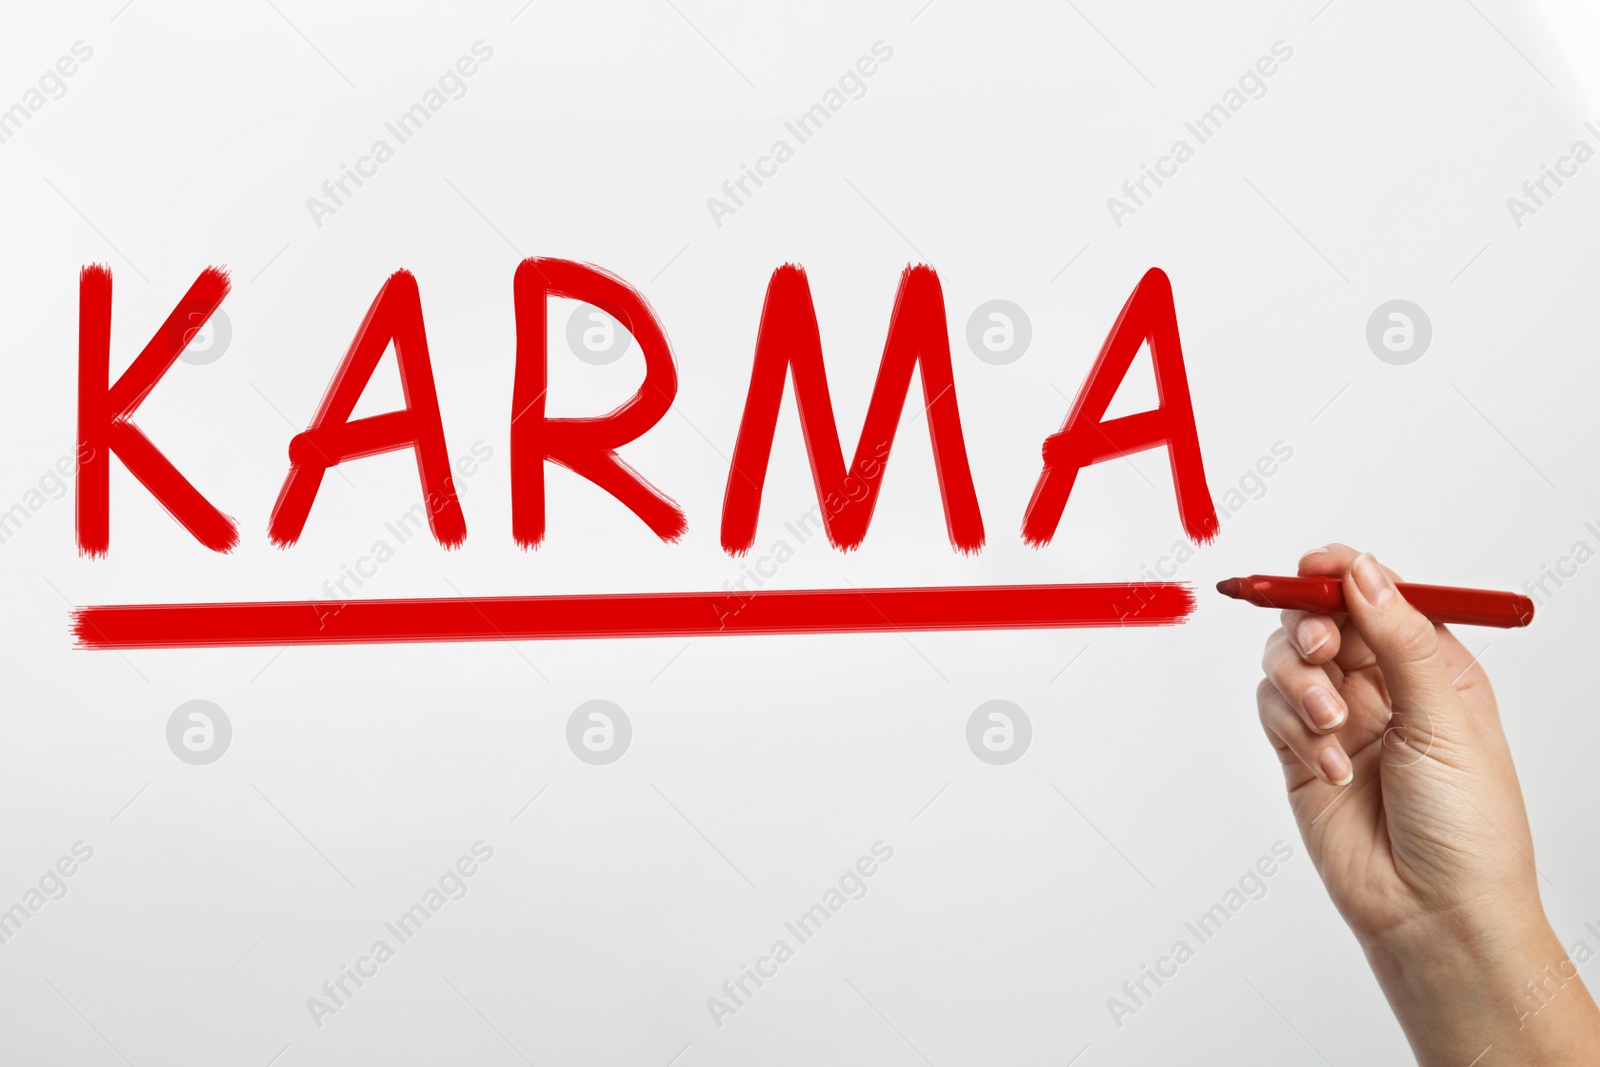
[
  {"x": 1276, "y": 652},
  {"x": 1266, "y": 700},
  {"x": 1413, "y": 638}
]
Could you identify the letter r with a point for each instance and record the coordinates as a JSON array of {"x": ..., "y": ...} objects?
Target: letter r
[{"x": 585, "y": 446}]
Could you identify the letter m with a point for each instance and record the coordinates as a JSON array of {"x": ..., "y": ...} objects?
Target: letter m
[{"x": 788, "y": 341}]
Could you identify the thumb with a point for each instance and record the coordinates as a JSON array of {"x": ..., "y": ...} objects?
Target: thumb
[{"x": 1404, "y": 641}]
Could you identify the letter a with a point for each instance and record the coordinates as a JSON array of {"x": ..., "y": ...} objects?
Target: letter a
[
  {"x": 332, "y": 438},
  {"x": 1088, "y": 438}
]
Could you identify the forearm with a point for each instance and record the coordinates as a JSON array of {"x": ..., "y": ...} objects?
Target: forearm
[{"x": 1511, "y": 996}]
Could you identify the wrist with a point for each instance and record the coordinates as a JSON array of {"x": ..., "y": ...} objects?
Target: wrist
[{"x": 1461, "y": 983}]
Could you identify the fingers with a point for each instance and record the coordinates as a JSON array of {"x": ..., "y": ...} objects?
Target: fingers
[
  {"x": 1330, "y": 560},
  {"x": 1320, "y": 754},
  {"x": 1306, "y": 687},
  {"x": 1333, "y": 679},
  {"x": 1406, "y": 644},
  {"x": 1334, "y": 561},
  {"x": 1315, "y": 637}
]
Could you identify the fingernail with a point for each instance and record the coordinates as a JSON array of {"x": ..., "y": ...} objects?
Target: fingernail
[
  {"x": 1325, "y": 709},
  {"x": 1314, "y": 552},
  {"x": 1336, "y": 766},
  {"x": 1311, "y": 635},
  {"x": 1372, "y": 580}
]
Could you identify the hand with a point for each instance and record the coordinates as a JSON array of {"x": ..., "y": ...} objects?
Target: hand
[
  {"x": 1402, "y": 783},
  {"x": 1398, "y": 772}
]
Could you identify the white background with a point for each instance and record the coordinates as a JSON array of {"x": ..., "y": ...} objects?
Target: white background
[{"x": 1376, "y": 166}]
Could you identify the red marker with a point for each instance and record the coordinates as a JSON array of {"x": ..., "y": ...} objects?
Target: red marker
[{"x": 1441, "y": 603}]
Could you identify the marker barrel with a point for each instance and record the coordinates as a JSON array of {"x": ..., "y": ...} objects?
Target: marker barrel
[{"x": 1441, "y": 603}]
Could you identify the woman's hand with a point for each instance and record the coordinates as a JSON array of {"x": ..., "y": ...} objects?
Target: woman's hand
[{"x": 1402, "y": 783}]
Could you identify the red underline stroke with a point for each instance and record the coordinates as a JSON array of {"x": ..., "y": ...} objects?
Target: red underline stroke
[{"x": 618, "y": 615}]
